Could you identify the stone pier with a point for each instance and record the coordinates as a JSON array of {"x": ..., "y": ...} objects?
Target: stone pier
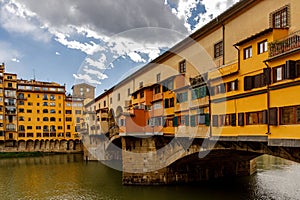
[{"x": 157, "y": 161}]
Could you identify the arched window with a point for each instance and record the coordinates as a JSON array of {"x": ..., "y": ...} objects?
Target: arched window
[
  {"x": 45, "y": 128},
  {"x": 52, "y": 111},
  {"x": 52, "y": 119},
  {"x": 45, "y": 111},
  {"x": 45, "y": 119}
]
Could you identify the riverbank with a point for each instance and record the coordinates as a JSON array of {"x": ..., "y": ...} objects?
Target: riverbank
[{"x": 29, "y": 154}]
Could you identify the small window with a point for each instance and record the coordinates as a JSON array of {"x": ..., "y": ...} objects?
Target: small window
[
  {"x": 262, "y": 47},
  {"x": 182, "y": 67},
  {"x": 157, "y": 77},
  {"x": 280, "y": 18},
  {"x": 248, "y": 52},
  {"x": 157, "y": 89},
  {"x": 142, "y": 94},
  {"x": 141, "y": 84},
  {"x": 128, "y": 92},
  {"x": 278, "y": 74},
  {"x": 218, "y": 49},
  {"x": 119, "y": 96}
]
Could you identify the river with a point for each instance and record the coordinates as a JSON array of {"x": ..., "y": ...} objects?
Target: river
[{"x": 69, "y": 177}]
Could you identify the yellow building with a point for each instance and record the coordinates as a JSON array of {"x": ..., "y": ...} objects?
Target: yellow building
[
  {"x": 234, "y": 78},
  {"x": 38, "y": 112}
]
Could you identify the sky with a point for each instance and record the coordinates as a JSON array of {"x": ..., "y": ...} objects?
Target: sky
[{"x": 98, "y": 42}]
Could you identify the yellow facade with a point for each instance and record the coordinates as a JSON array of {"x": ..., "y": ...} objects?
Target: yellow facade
[
  {"x": 234, "y": 78},
  {"x": 37, "y": 111}
]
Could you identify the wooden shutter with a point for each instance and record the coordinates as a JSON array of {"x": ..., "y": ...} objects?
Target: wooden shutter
[
  {"x": 193, "y": 121},
  {"x": 265, "y": 117},
  {"x": 233, "y": 119},
  {"x": 273, "y": 116},
  {"x": 290, "y": 69},
  {"x": 248, "y": 83},
  {"x": 267, "y": 76},
  {"x": 215, "y": 121},
  {"x": 236, "y": 85},
  {"x": 175, "y": 121},
  {"x": 187, "y": 120},
  {"x": 207, "y": 120},
  {"x": 241, "y": 119}
]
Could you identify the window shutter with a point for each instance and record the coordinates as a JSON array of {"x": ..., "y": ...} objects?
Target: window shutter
[
  {"x": 241, "y": 119},
  {"x": 187, "y": 121},
  {"x": 267, "y": 76},
  {"x": 207, "y": 120},
  {"x": 248, "y": 83},
  {"x": 273, "y": 116},
  {"x": 212, "y": 91},
  {"x": 233, "y": 119},
  {"x": 193, "y": 121},
  {"x": 236, "y": 85},
  {"x": 215, "y": 121},
  {"x": 265, "y": 117},
  {"x": 290, "y": 69},
  {"x": 175, "y": 121}
]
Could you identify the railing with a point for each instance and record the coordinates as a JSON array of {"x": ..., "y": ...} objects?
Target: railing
[{"x": 284, "y": 45}]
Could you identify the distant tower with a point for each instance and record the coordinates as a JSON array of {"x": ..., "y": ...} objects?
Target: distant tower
[{"x": 84, "y": 91}]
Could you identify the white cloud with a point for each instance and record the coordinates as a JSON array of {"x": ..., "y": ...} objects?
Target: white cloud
[
  {"x": 96, "y": 73},
  {"x": 57, "y": 53},
  {"x": 86, "y": 78},
  {"x": 100, "y": 63},
  {"x": 15, "y": 60},
  {"x": 213, "y": 9},
  {"x": 135, "y": 57},
  {"x": 14, "y": 17}
]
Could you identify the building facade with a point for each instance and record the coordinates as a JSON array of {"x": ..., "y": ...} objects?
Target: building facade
[
  {"x": 233, "y": 78},
  {"x": 38, "y": 115}
]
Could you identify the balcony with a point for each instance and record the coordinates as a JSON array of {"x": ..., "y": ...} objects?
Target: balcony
[{"x": 285, "y": 45}]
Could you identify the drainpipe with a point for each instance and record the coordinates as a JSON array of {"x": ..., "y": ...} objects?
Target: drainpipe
[
  {"x": 239, "y": 60},
  {"x": 268, "y": 100},
  {"x": 223, "y": 36}
]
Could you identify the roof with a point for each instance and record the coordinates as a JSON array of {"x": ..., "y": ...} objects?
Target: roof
[{"x": 252, "y": 37}]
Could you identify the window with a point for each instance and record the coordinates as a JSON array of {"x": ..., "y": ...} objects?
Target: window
[
  {"x": 45, "y": 128},
  {"x": 110, "y": 100},
  {"x": 45, "y": 119},
  {"x": 52, "y": 111},
  {"x": 248, "y": 52},
  {"x": 68, "y": 127},
  {"x": 256, "y": 81},
  {"x": 142, "y": 94},
  {"x": 21, "y": 118},
  {"x": 157, "y": 89},
  {"x": 45, "y": 110},
  {"x": 218, "y": 49},
  {"x": 141, "y": 84},
  {"x": 38, "y": 127},
  {"x": 52, "y": 103},
  {"x": 280, "y": 18},
  {"x": 220, "y": 89},
  {"x": 278, "y": 74},
  {"x": 29, "y": 111},
  {"x": 78, "y": 120},
  {"x": 21, "y": 128},
  {"x": 254, "y": 118},
  {"x": 52, "y": 97},
  {"x": 128, "y": 91},
  {"x": 21, "y": 103},
  {"x": 181, "y": 97},
  {"x": 182, "y": 67},
  {"x": 157, "y": 105},
  {"x": 45, "y": 97},
  {"x": 29, "y": 103},
  {"x": 290, "y": 115},
  {"x": 21, "y": 110},
  {"x": 52, "y": 119},
  {"x": 262, "y": 47},
  {"x": 45, "y": 103},
  {"x": 199, "y": 92},
  {"x": 87, "y": 89},
  {"x": 104, "y": 103},
  {"x": 29, "y": 127},
  {"x": 9, "y": 85},
  {"x": 78, "y": 112},
  {"x": 119, "y": 96},
  {"x": 135, "y": 96},
  {"x": 59, "y": 127},
  {"x": 68, "y": 111},
  {"x": 68, "y": 119},
  {"x": 232, "y": 86},
  {"x": 157, "y": 77},
  {"x": 169, "y": 103}
]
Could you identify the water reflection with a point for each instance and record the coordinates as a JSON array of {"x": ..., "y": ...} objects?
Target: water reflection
[{"x": 69, "y": 177}]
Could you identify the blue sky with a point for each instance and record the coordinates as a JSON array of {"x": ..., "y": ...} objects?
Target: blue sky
[{"x": 95, "y": 41}]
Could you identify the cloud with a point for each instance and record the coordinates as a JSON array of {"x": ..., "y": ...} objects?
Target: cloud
[
  {"x": 135, "y": 57},
  {"x": 93, "y": 72},
  {"x": 57, "y": 53},
  {"x": 8, "y": 53},
  {"x": 100, "y": 63},
  {"x": 15, "y": 60},
  {"x": 14, "y": 17},
  {"x": 86, "y": 78}
]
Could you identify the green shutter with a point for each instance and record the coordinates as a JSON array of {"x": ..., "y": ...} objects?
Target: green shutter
[
  {"x": 207, "y": 120},
  {"x": 187, "y": 121},
  {"x": 175, "y": 121},
  {"x": 193, "y": 121}
]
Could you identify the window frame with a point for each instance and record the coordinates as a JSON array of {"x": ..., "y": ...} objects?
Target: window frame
[{"x": 219, "y": 49}]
